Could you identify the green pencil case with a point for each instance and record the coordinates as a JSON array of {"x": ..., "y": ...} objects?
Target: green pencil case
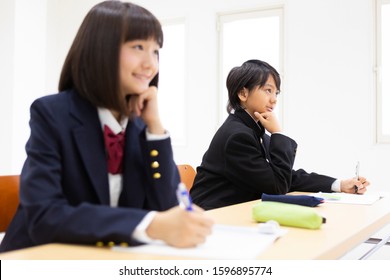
[{"x": 287, "y": 214}]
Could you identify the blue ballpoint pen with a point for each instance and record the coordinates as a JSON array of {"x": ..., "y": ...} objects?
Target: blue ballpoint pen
[{"x": 184, "y": 197}]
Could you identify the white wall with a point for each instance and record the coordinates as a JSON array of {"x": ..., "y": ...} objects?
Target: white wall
[
  {"x": 7, "y": 35},
  {"x": 22, "y": 56},
  {"x": 328, "y": 85}
]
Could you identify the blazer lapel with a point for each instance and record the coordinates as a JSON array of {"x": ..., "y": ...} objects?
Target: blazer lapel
[
  {"x": 132, "y": 194},
  {"x": 88, "y": 137},
  {"x": 257, "y": 128}
]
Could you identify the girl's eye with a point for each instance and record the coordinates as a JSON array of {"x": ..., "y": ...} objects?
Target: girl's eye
[
  {"x": 157, "y": 52},
  {"x": 268, "y": 91},
  {"x": 138, "y": 47}
]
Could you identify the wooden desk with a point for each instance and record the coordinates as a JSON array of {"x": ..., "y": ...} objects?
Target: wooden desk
[{"x": 346, "y": 227}]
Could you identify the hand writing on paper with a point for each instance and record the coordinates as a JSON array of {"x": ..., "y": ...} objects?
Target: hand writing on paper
[
  {"x": 348, "y": 185},
  {"x": 181, "y": 228}
]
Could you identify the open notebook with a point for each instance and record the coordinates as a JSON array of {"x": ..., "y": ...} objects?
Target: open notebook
[
  {"x": 347, "y": 198},
  {"x": 225, "y": 242}
]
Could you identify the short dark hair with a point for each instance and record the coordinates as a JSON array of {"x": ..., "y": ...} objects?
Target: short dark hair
[
  {"x": 250, "y": 74},
  {"x": 92, "y": 64}
]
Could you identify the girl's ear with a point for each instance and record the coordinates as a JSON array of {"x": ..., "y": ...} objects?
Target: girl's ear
[{"x": 243, "y": 94}]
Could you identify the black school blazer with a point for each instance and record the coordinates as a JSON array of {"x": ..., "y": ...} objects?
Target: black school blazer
[{"x": 242, "y": 163}]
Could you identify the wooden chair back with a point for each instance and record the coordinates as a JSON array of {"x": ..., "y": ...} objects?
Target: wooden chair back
[
  {"x": 9, "y": 199},
  {"x": 187, "y": 174}
]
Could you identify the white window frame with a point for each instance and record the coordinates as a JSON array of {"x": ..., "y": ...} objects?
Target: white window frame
[
  {"x": 381, "y": 136},
  {"x": 223, "y": 18}
]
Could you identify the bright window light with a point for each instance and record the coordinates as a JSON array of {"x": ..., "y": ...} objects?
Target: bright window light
[
  {"x": 385, "y": 62},
  {"x": 172, "y": 80},
  {"x": 244, "y": 36}
]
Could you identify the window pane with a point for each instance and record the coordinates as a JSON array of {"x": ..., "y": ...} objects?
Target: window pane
[
  {"x": 239, "y": 43},
  {"x": 385, "y": 69},
  {"x": 172, "y": 82}
]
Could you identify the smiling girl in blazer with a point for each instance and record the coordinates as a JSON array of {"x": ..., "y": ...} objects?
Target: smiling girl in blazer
[{"x": 73, "y": 189}]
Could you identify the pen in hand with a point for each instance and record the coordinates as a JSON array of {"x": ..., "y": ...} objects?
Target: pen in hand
[
  {"x": 357, "y": 176},
  {"x": 184, "y": 197}
]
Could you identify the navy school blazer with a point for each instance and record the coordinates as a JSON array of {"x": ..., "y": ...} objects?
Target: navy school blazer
[
  {"x": 64, "y": 188},
  {"x": 242, "y": 163}
]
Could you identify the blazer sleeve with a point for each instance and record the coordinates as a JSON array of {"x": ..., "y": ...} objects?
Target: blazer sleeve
[
  {"x": 302, "y": 180},
  {"x": 161, "y": 173},
  {"x": 247, "y": 165},
  {"x": 311, "y": 182}
]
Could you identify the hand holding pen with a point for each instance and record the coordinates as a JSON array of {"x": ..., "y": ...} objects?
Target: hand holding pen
[
  {"x": 356, "y": 188},
  {"x": 186, "y": 225},
  {"x": 360, "y": 189},
  {"x": 356, "y": 185}
]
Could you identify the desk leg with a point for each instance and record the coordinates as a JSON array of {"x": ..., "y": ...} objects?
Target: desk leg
[{"x": 375, "y": 248}]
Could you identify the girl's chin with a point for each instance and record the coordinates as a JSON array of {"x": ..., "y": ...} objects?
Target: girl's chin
[{"x": 136, "y": 90}]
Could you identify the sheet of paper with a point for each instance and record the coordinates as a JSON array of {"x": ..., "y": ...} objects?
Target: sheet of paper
[
  {"x": 225, "y": 242},
  {"x": 347, "y": 198}
]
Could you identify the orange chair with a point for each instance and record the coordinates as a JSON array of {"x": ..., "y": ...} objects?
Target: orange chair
[
  {"x": 187, "y": 174},
  {"x": 9, "y": 199}
]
